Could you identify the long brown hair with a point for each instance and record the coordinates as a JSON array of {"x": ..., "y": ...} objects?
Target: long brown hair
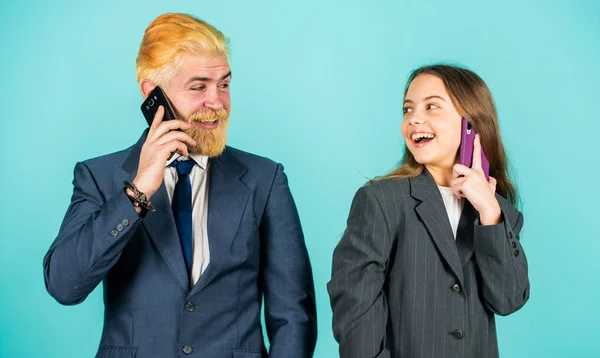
[{"x": 473, "y": 100}]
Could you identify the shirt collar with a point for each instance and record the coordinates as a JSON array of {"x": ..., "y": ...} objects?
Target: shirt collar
[{"x": 201, "y": 160}]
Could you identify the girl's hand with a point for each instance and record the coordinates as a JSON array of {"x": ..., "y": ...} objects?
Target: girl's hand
[{"x": 470, "y": 183}]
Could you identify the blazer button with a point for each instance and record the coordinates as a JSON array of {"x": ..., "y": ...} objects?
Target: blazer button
[
  {"x": 190, "y": 307},
  {"x": 114, "y": 232},
  {"x": 187, "y": 350},
  {"x": 510, "y": 235},
  {"x": 516, "y": 253},
  {"x": 455, "y": 288},
  {"x": 458, "y": 334},
  {"x": 120, "y": 227},
  {"x": 125, "y": 222},
  {"x": 514, "y": 245}
]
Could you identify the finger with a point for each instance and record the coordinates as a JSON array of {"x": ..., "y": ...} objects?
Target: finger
[
  {"x": 457, "y": 192},
  {"x": 456, "y": 185},
  {"x": 168, "y": 126},
  {"x": 176, "y": 135},
  {"x": 458, "y": 181},
  {"x": 157, "y": 120},
  {"x": 477, "y": 154},
  {"x": 177, "y": 146},
  {"x": 493, "y": 183},
  {"x": 460, "y": 170}
]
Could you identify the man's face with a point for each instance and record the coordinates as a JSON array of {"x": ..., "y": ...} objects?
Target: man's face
[{"x": 199, "y": 93}]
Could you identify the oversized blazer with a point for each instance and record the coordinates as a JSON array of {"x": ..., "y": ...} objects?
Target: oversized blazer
[{"x": 402, "y": 286}]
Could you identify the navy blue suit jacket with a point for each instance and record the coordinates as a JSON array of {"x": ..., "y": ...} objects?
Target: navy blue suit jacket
[{"x": 257, "y": 251}]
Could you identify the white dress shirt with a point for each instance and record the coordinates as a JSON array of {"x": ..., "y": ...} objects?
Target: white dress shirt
[
  {"x": 454, "y": 207},
  {"x": 199, "y": 181}
]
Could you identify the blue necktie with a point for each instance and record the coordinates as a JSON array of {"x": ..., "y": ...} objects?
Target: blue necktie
[{"x": 182, "y": 208}]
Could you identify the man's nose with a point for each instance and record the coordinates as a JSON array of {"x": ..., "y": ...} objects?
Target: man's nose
[{"x": 212, "y": 100}]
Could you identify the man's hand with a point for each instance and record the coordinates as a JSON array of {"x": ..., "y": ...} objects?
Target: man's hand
[{"x": 163, "y": 139}]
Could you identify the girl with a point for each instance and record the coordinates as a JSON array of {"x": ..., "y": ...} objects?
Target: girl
[{"x": 431, "y": 251}]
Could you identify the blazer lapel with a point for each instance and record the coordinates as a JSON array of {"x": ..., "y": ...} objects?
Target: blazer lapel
[
  {"x": 464, "y": 234},
  {"x": 227, "y": 198},
  {"x": 161, "y": 224},
  {"x": 432, "y": 212}
]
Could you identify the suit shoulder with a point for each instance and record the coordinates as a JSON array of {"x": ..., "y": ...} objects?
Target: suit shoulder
[
  {"x": 391, "y": 194},
  {"x": 251, "y": 161},
  {"x": 383, "y": 188},
  {"x": 109, "y": 160}
]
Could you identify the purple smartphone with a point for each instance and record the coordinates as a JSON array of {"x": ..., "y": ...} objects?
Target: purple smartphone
[{"x": 467, "y": 139}]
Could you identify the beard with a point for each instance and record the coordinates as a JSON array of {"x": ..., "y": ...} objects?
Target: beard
[{"x": 210, "y": 141}]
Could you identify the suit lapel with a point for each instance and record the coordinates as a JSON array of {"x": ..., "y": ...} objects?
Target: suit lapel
[
  {"x": 161, "y": 224},
  {"x": 227, "y": 198},
  {"x": 464, "y": 234},
  {"x": 163, "y": 231},
  {"x": 432, "y": 212}
]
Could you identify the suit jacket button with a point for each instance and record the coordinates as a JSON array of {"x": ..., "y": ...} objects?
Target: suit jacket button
[
  {"x": 114, "y": 232},
  {"x": 510, "y": 235},
  {"x": 455, "y": 288},
  {"x": 125, "y": 222},
  {"x": 516, "y": 253},
  {"x": 190, "y": 307},
  {"x": 187, "y": 350},
  {"x": 458, "y": 334},
  {"x": 120, "y": 227}
]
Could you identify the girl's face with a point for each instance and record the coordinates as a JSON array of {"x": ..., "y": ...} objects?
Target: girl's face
[{"x": 431, "y": 126}]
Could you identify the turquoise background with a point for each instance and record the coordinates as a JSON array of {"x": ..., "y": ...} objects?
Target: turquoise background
[{"x": 317, "y": 85}]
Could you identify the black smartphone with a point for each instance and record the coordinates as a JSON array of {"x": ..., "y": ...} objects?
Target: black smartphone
[{"x": 157, "y": 98}]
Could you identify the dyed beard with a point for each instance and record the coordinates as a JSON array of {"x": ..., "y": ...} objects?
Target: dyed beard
[{"x": 210, "y": 142}]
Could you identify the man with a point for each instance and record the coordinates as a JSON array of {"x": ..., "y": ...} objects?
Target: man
[{"x": 187, "y": 235}]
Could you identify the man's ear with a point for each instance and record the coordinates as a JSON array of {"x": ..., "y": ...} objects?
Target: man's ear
[{"x": 146, "y": 86}]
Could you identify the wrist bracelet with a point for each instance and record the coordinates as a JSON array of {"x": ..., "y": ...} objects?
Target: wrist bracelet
[{"x": 138, "y": 199}]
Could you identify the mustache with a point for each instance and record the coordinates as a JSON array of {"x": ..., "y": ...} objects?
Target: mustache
[{"x": 208, "y": 116}]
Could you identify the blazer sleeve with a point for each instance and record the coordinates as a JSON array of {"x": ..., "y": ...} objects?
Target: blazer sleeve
[
  {"x": 359, "y": 305},
  {"x": 286, "y": 276},
  {"x": 502, "y": 262},
  {"x": 90, "y": 241}
]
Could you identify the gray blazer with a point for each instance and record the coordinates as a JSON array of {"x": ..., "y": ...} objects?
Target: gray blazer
[{"x": 402, "y": 286}]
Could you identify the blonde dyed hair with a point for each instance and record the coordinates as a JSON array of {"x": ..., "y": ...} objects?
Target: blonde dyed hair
[{"x": 171, "y": 36}]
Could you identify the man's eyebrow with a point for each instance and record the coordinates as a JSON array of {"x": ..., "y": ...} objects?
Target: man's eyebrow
[{"x": 206, "y": 79}]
